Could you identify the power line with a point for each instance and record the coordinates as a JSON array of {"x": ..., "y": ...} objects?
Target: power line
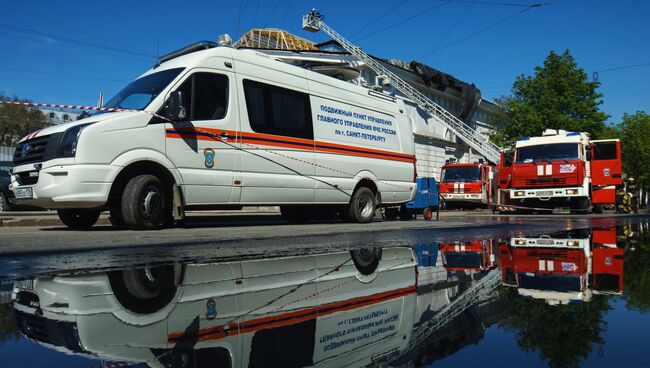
[
  {"x": 451, "y": 29},
  {"x": 484, "y": 29},
  {"x": 376, "y": 19},
  {"x": 623, "y": 67},
  {"x": 72, "y": 40},
  {"x": 68, "y": 27},
  {"x": 403, "y": 21},
  {"x": 59, "y": 74},
  {"x": 284, "y": 18},
  {"x": 73, "y": 46}
]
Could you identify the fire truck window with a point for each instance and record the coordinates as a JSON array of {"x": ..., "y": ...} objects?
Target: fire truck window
[
  {"x": 605, "y": 151},
  {"x": 507, "y": 158},
  {"x": 547, "y": 152},
  {"x": 461, "y": 173}
]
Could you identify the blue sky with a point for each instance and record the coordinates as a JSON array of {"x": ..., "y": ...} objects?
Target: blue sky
[{"x": 67, "y": 52}]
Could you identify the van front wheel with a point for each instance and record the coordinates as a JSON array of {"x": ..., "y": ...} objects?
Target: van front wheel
[
  {"x": 362, "y": 206},
  {"x": 78, "y": 218},
  {"x": 144, "y": 203}
]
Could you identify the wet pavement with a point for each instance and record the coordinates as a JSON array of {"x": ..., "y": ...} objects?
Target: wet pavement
[{"x": 496, "y": 291}]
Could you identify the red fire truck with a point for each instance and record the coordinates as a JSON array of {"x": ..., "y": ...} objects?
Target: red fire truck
[
  {"x": 563, "y": 269},
  {"x": 475, "y": 255},
  {"x": 560, "y": 169},
  {"x": 467, "y": 185}
]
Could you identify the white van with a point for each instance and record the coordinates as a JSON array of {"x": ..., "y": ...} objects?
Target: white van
[
  {"x": 220, "y": 128},
  {"x": 331, "y": 310}
]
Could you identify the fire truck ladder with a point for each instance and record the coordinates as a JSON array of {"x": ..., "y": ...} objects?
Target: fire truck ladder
[
  {"x": 470, "y": 297},
  {"x": 313, "y": 22}
]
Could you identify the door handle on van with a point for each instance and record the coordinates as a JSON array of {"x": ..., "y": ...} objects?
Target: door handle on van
[{"x": 223, "y": 136}]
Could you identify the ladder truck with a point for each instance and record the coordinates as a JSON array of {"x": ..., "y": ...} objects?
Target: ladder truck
[{"x": 313, "y": 22}]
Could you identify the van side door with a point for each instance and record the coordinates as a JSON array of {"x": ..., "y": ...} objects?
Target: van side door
[{"x": 204, "y": 147}]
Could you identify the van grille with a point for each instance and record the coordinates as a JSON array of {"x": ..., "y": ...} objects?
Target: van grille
[
  {"x": 24, "y": 178},
  {"x": 58, "y": 333},
  {"x": 40, "y": 149}
]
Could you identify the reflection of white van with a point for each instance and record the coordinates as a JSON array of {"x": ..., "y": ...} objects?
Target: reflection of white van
[
  {"x": 329, "y": 310},
  {"x": 237, "y": 128}
]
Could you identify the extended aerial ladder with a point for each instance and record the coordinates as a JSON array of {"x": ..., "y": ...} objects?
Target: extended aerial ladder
[{"x": 313, "y": 22}]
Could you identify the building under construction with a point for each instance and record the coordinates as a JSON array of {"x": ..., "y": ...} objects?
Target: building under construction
[{"x": 434, "y": 143}]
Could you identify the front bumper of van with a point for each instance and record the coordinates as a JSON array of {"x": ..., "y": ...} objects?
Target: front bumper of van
[{"x": 64, "y": 186}]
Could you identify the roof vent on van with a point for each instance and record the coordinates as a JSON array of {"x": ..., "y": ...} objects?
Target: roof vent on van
[
  {"x": 197, "y": 46},
  {"x": 549, "y": 132},
  {"x": 224, "y": 40}
]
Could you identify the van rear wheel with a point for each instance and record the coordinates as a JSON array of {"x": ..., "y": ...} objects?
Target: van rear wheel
[
  {"x": 78, "y": 218},
  {"x": 366, "y": 260},
  {"x": 144, "y": 203},
  {"x": 362, "y": 205}
]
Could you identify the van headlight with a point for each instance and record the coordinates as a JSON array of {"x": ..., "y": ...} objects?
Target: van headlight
[{"x": 68, "y": 144}]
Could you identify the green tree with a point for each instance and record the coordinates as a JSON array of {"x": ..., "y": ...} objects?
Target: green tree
[
  {"x": 562, "y": 334},
  {"x": 18, "y": 121},
  {"x": 635, "y": 146},
  {"x": 558, "y": 96},
  {"x": 636, "y": 280}
]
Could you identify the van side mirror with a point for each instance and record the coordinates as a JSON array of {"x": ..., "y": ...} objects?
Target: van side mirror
[{"x": 175, "y": 108}]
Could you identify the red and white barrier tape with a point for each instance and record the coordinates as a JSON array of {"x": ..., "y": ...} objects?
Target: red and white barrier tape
[{"x": 74, "y": 107}]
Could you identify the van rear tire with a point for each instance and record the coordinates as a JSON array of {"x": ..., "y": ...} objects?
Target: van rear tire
[
  {"x": 144, "y": 203},
  {"x": 79, "y": 218},
  {"x": 362, "y": 206},
  {"x": 366, "y": 260}
]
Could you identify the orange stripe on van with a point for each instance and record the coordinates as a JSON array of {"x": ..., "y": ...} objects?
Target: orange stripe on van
[
  {"x": 256, "y": 139},
  {"x": 219, "y": 332}
]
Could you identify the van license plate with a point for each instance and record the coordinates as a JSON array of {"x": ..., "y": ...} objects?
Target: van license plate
[
  {"x": 23, "y": 193},
  {"x": 544, "y": 193},
  {"x": 24, "y": 284}
]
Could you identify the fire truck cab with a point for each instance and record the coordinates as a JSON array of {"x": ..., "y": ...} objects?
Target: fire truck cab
[
  {"x": 467, "y": 185},
  {"x": 560, "y": 170},
  {"x": 475, "y": 255},
  {"x": 563, "y": 269}
]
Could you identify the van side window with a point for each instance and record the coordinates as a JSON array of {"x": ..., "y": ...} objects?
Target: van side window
[
  {"x": 205, "y": 96},
  {"x": 279, "y": 111}
]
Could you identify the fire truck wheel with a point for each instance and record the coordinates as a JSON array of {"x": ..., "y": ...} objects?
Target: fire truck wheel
[
  {"x": 362, "y": 206},
  {"x": 366, "y": 260},
  {"x": 79, "y": 218},
  {"x": 144, "y": 290},
  {"x": 427, "y": 213},
  {"x": 144, "y": 203},
  {"x": 598, "y": 209}
]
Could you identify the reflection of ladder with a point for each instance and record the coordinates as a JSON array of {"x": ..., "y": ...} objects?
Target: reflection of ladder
[
  {"x": 313, "y": 22},
  {"x": 470, "y": 297}
]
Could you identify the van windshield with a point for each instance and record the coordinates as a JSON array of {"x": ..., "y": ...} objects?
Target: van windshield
[
  {"x": 547, "y": 152},
  {"x": 139, "y": 93}
]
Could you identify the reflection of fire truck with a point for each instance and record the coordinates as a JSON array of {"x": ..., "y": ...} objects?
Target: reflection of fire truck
[
  {"x": 474, "y": 255},
  {"x": 560, "y": 170},
  {"x": 563, "y": 267},
  {"x": 467, "y": 185}
]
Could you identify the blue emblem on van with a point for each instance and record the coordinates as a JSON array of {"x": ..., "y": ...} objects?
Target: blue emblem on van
[
  {"x": 208, "y": 153},
  {"x": 25, "y": 150},
  {"x": 211, "y": 309},
  {"x": 606, "y": 172}
]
